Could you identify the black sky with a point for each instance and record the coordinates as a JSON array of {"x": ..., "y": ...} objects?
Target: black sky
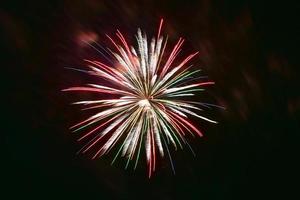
[{"x": 250, "y": 48}]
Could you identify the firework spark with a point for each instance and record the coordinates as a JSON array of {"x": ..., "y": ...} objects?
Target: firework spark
[{"x": 148, "y": 109}]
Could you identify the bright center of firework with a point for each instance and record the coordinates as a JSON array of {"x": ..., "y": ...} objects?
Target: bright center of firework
[{"x": 144, "y": 103}]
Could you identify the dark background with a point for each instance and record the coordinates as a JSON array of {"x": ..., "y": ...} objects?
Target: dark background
[{"x": 251, "y": 50}]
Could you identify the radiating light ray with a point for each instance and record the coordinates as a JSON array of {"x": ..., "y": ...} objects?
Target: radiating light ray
[{"x": 145, "y": 105}]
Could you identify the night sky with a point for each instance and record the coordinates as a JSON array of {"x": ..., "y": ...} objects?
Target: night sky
[{"x": 249, "y": 48}]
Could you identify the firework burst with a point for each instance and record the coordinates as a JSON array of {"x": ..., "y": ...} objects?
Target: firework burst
[{"x": 148, "y": 109}]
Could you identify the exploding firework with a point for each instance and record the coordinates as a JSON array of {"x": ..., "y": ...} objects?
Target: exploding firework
[{"x": 148, "y": 109}]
